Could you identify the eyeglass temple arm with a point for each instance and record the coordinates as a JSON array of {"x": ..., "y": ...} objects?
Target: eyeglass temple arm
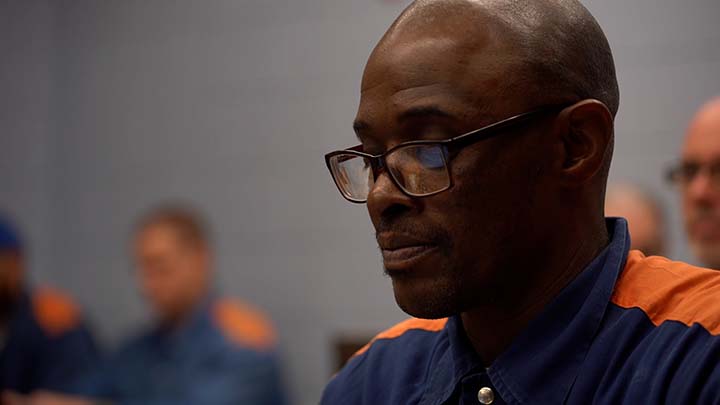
[{"x": 495, "y": 129}]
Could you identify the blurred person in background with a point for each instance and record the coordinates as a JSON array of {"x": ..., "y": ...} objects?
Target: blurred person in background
[
  {"x": 43, "y": 341},
  {"x": 698, "y": 179},
  {"x": 203, "y": 349},
  {"x": 644, "y": 214}
]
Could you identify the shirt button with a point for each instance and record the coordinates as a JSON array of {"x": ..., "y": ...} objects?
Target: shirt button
[{"x": 486, "y": 396}]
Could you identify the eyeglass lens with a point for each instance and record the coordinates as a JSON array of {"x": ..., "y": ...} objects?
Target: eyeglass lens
[{"x": 418, "y": 169}]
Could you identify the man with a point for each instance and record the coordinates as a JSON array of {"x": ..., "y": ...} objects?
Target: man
[
  {"x": 204, "y": 349},
  {"x": 643, "y": 213},
  {"x": 43, "y": 341},
  {"x": 496, "y": 236},
  {"x": 698, "y": 177}
]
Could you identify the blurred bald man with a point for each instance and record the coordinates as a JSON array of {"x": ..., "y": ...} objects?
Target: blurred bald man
[
  {"x": 698, "y": 178},
  {"x": 644, "y": 214}
]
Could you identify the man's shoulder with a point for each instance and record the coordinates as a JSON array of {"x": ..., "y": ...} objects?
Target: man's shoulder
[
  {"x": 663, "y": 325},
  {"x": 394, "y": 336},
  {"x": 396, "y": 356},
  {"x": 667, "y": 290},
  {"x": 55, "y": 312},
  {"x": 242, "y": 325}
]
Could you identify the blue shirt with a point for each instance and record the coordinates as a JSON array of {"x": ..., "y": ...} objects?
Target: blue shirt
[
  {"x": 223, "y": 355},
  {"x": 46, "y": 345},
  {"x": 628, "y": 330}
]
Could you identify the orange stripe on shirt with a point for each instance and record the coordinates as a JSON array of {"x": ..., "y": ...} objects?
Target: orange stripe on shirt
[
  {"x": 244, "y": 325},
  {"x": 670, "y": 291},
  {"x": 434, "y": 325}
]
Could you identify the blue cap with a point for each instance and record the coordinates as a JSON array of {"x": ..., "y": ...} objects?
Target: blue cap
[{"x": 9, "y": 237}]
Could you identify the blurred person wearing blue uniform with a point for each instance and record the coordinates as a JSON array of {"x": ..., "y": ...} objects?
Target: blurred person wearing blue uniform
[
  {"x": 43, "y": 341},
  {"x": 203, "y": 348}
]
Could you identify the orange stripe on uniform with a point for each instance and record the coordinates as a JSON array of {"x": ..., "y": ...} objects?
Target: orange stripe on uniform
[
  {"x": 434, "y": 325},
  {"x": 55, "y": 312},
  {"x": 243, "y": 325},
  {"x": 670, "y": 291}
]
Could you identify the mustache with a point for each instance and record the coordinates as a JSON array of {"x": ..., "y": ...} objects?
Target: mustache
[
  {"x": 704, "y": 214},
  {"x": 419, "y": 230}
]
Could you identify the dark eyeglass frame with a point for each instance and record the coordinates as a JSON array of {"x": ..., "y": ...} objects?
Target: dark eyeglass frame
[
  {"x": 675, "y": 174},
  {"x": 378, "y": 162}
]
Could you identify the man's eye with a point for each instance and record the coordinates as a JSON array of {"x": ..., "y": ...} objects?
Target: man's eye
[
  {"x": 430, "y": 157},
  {"x": 689, "y": 170}
]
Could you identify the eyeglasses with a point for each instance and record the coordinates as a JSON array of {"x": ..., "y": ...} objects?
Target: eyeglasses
[
  {"x": 417, "y": 168},
  {"x": 684, "y": 173}
]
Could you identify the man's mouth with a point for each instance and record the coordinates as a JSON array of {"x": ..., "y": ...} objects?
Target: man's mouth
[
  {"x": 405, "y": 253},
  {"x": 401, "y": 252},
  {"x": 706, "y": 229}
]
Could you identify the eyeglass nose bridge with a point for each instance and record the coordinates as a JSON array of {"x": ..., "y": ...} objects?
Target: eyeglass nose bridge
[{"x": 378, "y": 165}]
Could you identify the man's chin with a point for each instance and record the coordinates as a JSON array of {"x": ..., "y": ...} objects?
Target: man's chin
[
  {"x": 426, "y": 299},
  {"x": 707, "y": 253}
]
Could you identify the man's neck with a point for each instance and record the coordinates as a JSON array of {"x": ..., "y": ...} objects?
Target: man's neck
[
  {"x": 710, "y": 265},
  {"x": 492, "y": 327},
  {"x": 172, "y": 322}
]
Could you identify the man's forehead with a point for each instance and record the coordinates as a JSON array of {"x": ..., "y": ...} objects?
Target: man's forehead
[
  {"x": 414, "y": 69},
  {"x": 433, "y": 35},
  {"x": 703, "y": 139},
  {"x": 408, "y": 57}
]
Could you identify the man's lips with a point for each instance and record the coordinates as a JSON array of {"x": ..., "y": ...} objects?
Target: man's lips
[
  {"x": 402, "y": 251},
  {"x": 406, "y": 254},
  {"x": 706, "y": 229}
]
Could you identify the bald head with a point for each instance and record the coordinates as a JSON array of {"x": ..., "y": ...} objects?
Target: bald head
[
  {"x": 704, "y": 130},
  {"x": 450, "y": 67},
  {"x": 700, "y": 184},
  {"x": 552, "y": 51}
]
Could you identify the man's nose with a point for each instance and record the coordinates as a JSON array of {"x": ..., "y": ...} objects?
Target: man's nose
[{"x": 386, "y": 199}]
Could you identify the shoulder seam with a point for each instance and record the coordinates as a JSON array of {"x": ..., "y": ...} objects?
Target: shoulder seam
[
  {"x": 670, "y": 291},
  {"x": 435, "y": 325},
  {"x": 54, "y": 311},
  {"x": 243, "y": 325}
]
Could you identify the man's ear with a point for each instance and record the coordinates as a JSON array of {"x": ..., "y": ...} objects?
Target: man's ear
[{"x": 586, "y": 135}]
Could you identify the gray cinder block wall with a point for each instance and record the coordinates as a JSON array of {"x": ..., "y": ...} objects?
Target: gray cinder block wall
[{"x": 107, "y": 107}]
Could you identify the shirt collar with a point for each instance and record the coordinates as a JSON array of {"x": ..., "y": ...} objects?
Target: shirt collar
[
  {"x": 455, "y": 359},
  {"x": 195, "y": 323},
  {"x": 541, "y": 364}
]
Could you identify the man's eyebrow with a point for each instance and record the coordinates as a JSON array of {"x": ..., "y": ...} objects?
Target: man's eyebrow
[
  {"x": 427, "y": 111},
  {"x": 423, "y": 112}
]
